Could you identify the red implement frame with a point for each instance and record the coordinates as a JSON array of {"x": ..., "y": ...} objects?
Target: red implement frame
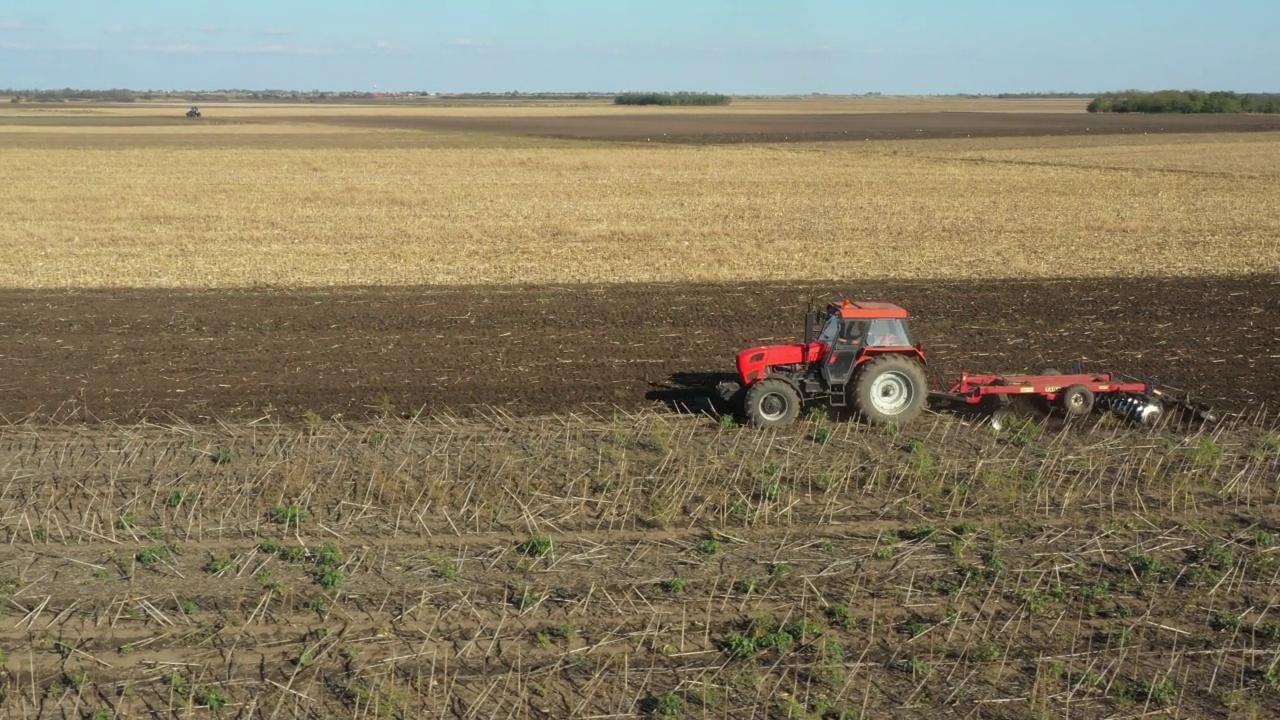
[{"x": 973, "y": 387}]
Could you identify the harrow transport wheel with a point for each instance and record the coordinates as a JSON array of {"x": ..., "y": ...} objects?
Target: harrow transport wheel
[
  {"x": 1076, "y": 400},
  {"x": 890, "y": 389},
  {"x": 771, "y": 403},
  {"x": 997, "y": 410}
]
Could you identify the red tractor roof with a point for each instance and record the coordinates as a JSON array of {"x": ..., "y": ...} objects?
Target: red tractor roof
[{"x": 870, "y": 311}]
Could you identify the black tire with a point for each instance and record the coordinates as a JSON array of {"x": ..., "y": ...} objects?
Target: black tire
[
  {"x": 771, "y": 403},
  {"x": 1050, "y": 371},
  {"x": 994, "y": 402},
  {"x": 1076, "y": 400},
  {"x": 890, "y": 389}
]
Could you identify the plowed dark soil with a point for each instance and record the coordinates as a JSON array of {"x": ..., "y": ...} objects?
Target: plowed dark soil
[
  {"x": 715, "y": 127},
  {"x": 711, "y": 128},
  {"x": 127, "y": 354}
]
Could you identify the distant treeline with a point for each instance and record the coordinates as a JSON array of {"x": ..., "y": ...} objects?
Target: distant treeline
[
  {"x": 678, "y": 98},
  {"x": 288, "y": 96},
  {"x": 1185, "y": 101},
  {"x": 125, "y": 96},
  {"x": 1038, "y": 96},
  {"x": 115, "y": 95}
]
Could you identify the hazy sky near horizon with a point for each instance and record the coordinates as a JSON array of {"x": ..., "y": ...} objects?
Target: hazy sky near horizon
[{"x": 733, "y": 46}]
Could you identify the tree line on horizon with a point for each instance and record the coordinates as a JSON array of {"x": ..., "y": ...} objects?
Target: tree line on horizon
[
  {"x": 124, "y": 95},
  {"x": 1129, "y": 101},
  {"x": 1185, "y": 102},
  {"x": 676, "y": 98}
]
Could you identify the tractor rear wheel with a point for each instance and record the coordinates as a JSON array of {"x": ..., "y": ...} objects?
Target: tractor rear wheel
[
  {"x": 1077, "y": 400},
  {"x": 890, "y": 389},
  {"x": 771, "y": 403}
]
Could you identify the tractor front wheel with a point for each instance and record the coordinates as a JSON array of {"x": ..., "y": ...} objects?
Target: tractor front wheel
[
  {"x": 890, "y": 389},
  {"x": 771, "y": 403}
]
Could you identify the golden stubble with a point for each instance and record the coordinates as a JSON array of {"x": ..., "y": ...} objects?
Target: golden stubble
[{"x": 222, "y": 214}]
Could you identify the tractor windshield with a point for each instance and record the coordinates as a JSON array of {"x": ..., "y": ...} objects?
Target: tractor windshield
[
  {"x": 888, "y": 333},
  {"x": 830, "y": 330}
]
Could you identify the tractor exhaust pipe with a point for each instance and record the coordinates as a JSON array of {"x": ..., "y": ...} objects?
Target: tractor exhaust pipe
[{"x": 810, "y": 319}]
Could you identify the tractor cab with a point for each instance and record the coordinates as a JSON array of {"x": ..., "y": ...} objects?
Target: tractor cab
[
  {"x": 872, "y": 325},
  {"x": 862, "y": 356}
]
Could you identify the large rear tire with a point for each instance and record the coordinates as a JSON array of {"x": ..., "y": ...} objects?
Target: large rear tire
[
  {"x": 890, "y": 389},
  {"x": 771, "y": 403}
]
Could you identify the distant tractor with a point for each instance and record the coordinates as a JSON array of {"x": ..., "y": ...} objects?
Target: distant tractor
[
  {"x": 193, "y": 112},
  {"x": 862, "y": 358}
]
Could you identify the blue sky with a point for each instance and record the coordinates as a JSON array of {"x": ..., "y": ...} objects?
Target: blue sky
[{"x": 735, "y": 46}]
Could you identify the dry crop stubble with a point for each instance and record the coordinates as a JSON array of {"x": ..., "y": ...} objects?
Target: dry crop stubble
[
  {"x": 1229, "y": 154},
  {"x": 403, "y": 564},
  {"x": 225, "y": 217}
]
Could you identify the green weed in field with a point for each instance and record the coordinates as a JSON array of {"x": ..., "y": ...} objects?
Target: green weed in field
[
  {"x": 153, "y": 555},
  {"x": 211, "y": 698},
  {"x": 328, "y": 577},
  {"x": 290, "y": 515},
  {"x": 675, "y": 585},
  {"x": 219, "y": 564},
  {"x": 1145, "y": 566},
  {"x": 839, "y": 616},
  {"x": 537, "y": 546},
  {"x": 1206, "y": 453}
]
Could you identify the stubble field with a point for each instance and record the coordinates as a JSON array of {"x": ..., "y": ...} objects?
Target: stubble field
[{"x": 354, "y": 412}]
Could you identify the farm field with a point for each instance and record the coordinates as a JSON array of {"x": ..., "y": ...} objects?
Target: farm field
[
  {"x": 357, "y": 412},
  {"x": 646, "y": 565},
  {"x": 319, "y": 205},
  {"x": 127, "y": 355}
]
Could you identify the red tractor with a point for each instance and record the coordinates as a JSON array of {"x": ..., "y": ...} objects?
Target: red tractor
[
  {"x": 862, "y": 358},
  {"x": 865, "y": 359}
]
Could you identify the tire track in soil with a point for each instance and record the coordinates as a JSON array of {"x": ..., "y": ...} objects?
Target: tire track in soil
[{"x": 132, "y": 354}]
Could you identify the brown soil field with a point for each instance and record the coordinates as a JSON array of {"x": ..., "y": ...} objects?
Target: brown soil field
[
  {"x": 459, "y": 107},
  {"x": 708, "y": 128},
  {"x": 125, "y": 354}
]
